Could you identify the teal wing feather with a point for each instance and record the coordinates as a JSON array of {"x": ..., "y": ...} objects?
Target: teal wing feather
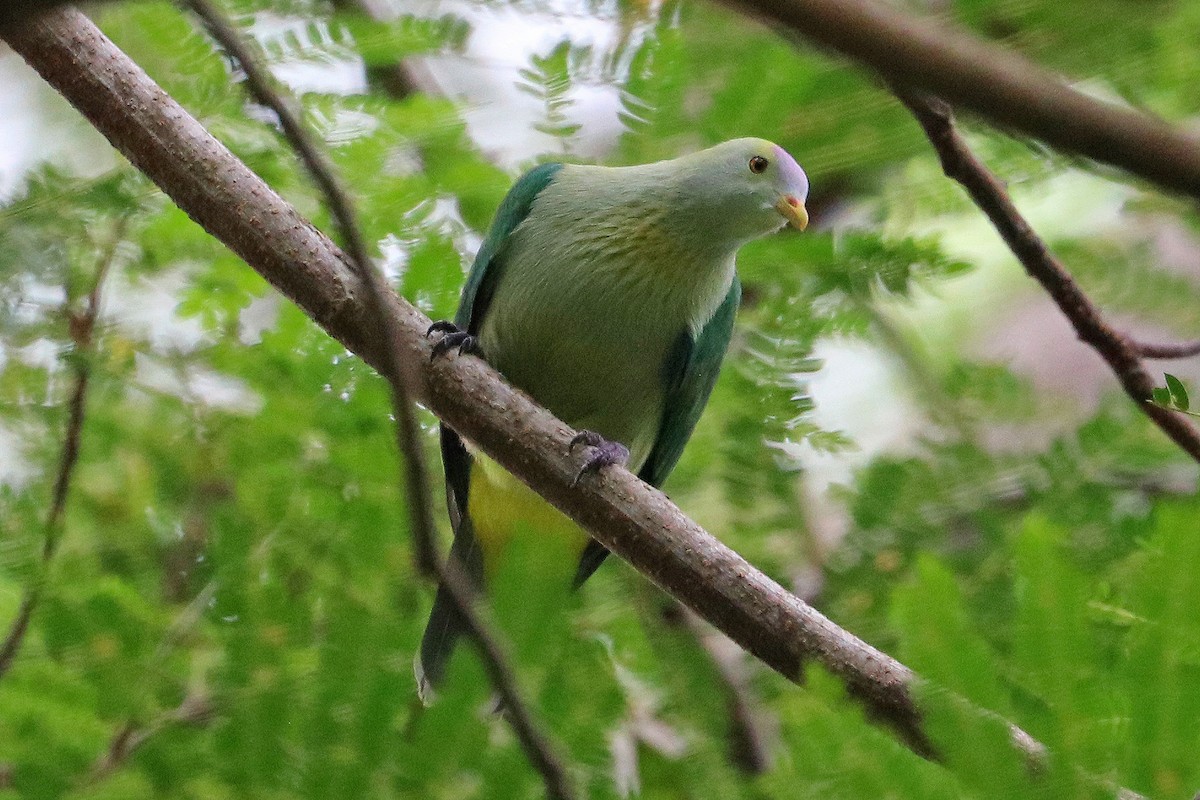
[
  {"x": 489, "y": 262},
  {"x": 689, "y": 373},
  {"x": 445, "y": 624}
]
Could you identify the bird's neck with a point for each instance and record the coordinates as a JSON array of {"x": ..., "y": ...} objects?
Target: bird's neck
[{"x": 661, "y": 251}]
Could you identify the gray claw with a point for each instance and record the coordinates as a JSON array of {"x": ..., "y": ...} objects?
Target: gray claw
[
  {"x": 454, "y": 339},
  {"x": 588, "y": 438},
  {"x": 441, "y": 326},
  {"x": 603, "y": 453}
]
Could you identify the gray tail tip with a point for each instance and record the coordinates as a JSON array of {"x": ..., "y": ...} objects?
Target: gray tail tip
[{"x": 424, "y": 688}]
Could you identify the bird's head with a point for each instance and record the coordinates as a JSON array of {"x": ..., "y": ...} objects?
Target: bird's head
[{"x": 744, "y": 188}]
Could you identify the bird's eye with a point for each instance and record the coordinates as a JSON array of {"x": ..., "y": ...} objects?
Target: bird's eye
[{"x": 758, "y": 164}]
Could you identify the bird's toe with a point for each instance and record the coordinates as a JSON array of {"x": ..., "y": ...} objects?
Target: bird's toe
[
  {"x": 458, "y": 340},
  {"x": 441, "y": 326},
  {"x": 602, "y": 453},
  {"x": 586, "y": 438}
]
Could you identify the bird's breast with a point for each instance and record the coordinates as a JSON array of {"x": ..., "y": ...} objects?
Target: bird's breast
[
  {"x": 593, "y": 367},
  {"x": 594, "y": 292}
]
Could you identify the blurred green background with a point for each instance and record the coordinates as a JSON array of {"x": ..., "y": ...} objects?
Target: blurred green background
[{"x": 906, "y": 433}]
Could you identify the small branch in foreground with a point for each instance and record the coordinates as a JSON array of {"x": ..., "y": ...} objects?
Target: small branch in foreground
[
  {"x": 749, "y": 740},
  {"x": 262, "y": 87},
  {"x": 495, "y": 663},
  {"x": 1121, "y": 355},
  {"x": 82, "y": 325},
  {"x": 1166, "y": 350},
  {"x": 537, "y": 747}
]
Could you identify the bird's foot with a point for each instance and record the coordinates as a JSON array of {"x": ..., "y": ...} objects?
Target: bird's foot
[
  {"x": 603, "y": 453},
  {"x": 453, "y": 338}
]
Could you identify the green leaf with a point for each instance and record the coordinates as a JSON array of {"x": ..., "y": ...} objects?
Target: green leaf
[{"x": 1179, "y": 396}]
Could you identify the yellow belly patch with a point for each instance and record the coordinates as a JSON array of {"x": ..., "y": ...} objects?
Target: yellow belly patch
[{"x": 501, "y": 508}]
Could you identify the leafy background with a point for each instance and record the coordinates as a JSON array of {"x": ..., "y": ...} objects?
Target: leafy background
[{"x": 905, "y": 433}]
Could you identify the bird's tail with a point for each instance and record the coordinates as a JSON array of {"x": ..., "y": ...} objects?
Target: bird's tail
[
  {"x": 442, "y": 632},
  {"x": 446, "y": 623}
]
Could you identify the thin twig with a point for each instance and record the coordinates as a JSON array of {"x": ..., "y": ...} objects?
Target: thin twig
[
  {"x": 538, "y": 749},
  {"x": 1165, "y": 350},
  {"x": 263, "y": 88},
  {"x": 750, "y": 741},
  {"x": 1121, "y": 355},
  {"x": 82, "y": 325},
  {"x": 194, "y": 710}
]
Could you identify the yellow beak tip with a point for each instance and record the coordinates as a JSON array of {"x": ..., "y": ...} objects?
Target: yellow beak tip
[{"x": 794, "y": 212}]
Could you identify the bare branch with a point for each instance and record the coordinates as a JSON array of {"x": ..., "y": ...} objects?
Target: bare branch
[
  {"x": 635, "y": 521},
  {"x": 264, "y": 89},
  {"x": 750, "y": 741},
  {"x": 960, "y": 164},
  {"x": 81, "y": 325},
  {"x": 194, "y": 710},
  {"x": 999, "y": 85},
  {"x": 1166, "y": 350}
]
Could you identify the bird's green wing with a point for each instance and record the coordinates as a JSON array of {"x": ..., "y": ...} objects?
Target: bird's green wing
[
  {"x": 445, "y": 623},
  {"x": 476, "y": 298},
  {"x": 489, "y": 261},
  {"x": 689, "y": 374}
]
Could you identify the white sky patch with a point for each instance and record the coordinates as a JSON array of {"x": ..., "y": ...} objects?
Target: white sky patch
[
  {"x": 41, "y": 354},
  {"x": 306, "y": 55},
  {"x": 859, "y": 390},
  {"x": 146, "y": 307},
  {"x": 486, "y": 76},
  {"x": 441, "y": 215},
  {"x": 15, "y": 471},
  {"x": 196, "y": 385},
  {"x": 259, "y": 316},
  {"x": 37, "y": 125}
]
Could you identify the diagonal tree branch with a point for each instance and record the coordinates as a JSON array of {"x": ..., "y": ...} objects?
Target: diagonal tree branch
[
  {"x": 635, "y": 521},
  {"x": 82, "y": 325},
  {"x": 1122, "y": 355},
  {"x": 264, "y": 89}
]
